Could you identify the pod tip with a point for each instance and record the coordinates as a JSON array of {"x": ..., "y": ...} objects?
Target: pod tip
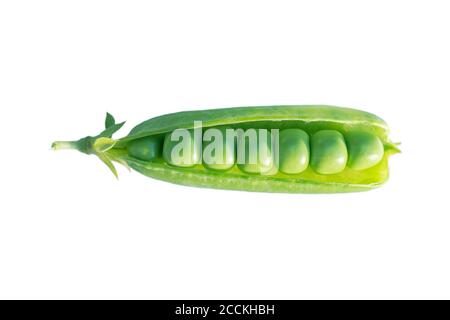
[{"x": 392, "y": 148}]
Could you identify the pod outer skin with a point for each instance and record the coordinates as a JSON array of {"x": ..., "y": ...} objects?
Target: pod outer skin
[
  {"x": 342, "y": 117},
  {"x": 317, "y": 117},
  {"x": 253, "y": 183}
]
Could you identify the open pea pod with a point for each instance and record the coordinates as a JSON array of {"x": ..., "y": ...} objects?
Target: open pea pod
[{"x": 320, "y": 149}]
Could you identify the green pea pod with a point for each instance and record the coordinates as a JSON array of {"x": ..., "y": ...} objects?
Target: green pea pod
[{"x": 330, "y": 129}]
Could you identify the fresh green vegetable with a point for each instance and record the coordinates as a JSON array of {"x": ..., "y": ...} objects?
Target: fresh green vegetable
[
  {"x": 295, "y": 149},
  {"x": 181, "y": 150},
  {"x": 257, "y": 158},
  {"x": 146, "y": 149},
  {"x": 214, "y": 141},
  {"x": 365, "y": 150},
  {"x": 329, "y": 152}
]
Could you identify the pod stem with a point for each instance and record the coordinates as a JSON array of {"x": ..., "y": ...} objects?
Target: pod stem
[
  {"x": 91, "y": 145},
  {"x": 64, "y": 145},
  {"x": 83, "y": 145},
  {"x": 99, "y": 145}
]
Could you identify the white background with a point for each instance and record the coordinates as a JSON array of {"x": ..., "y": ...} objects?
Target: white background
[{"x": 68, "y": 229}]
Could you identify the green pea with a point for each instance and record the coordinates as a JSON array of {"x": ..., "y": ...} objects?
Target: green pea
[
  {"x": 180, "y": 148},
  {"x": 254, "y": 152},
  {"x": 218, "y": 150},
  {"x": 365, "y": 150},
  {"x": 145, "y": 149},
  {"x": 328, "y": 152},
  {"x": 294, "y": 151}
]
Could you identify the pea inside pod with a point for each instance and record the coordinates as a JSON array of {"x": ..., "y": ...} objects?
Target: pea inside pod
[
  {"x": 255, "y": 154},
  {"x": 181, "y": 148},
  {"x": 219, "y": 151},
  {"x": 329, "y": 152},
  {"x": 365, "y": 150},
  {"x": 146, "y": 149},
  {"x": 294, "y": 151},
  {"x": 320, "y": 149}
]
